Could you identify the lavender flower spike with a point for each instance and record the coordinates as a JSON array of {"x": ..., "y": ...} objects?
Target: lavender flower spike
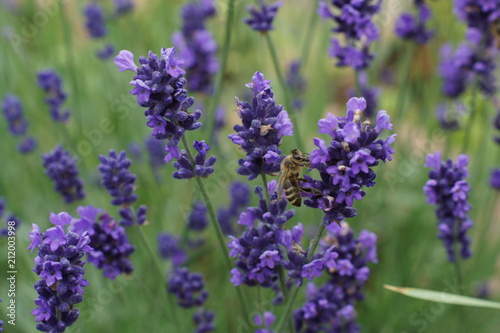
[
  {"x": 263, "y": 17},
  {"x": 60, "y": 268},
  {"x": 413, "y": 28},
  {"x": 330, "y": 308},
  {"x": 263, "y": 125},
  {"x": 13, "y": 112},
  {"x": 188, "y": 287},
  {"x": 51, "y": 83},
  {"x": 61, "y": 167},
  {"x": 197, "y": 46},
  {"x": 108, "y": 239},
  {"x": 159, "y": 87},
  {"x": 95, "y": 20},
  {"x": 120, "y": 183},
  {"x": 354, "y": 20},
  {"x": 117, "y": 178},
  {"x": 447, "y": 189},
  {"x": 345, "y": 164}
]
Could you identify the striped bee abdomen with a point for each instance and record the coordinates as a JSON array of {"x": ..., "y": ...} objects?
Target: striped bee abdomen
[{"x": 292, "y": 191}]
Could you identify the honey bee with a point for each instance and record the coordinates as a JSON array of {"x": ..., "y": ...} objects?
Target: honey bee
[{"x": 289, "y": 178}]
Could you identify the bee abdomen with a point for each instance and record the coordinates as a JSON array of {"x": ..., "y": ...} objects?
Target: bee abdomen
[{"x": 293, "y": 196}]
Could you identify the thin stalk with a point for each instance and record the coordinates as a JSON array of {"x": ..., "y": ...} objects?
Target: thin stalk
[
  {"x": 403, "y": 81},
  {"x": 266, "y": 190},
  {"x": 295, "y": 291},
  {"x": 259, "y": 300},
  {"x": 281, "y": 271},
  {"x": 458, "y": 275},
  {"x": 465, "y": 143},
  {"x": 357, "y": 83},
  {"x": 173, "y": 316},
  {"x": 216, "y": 225},
  {"x": 282, "y": 82},
  {"x": 309, "y": 34},
  {"x": 220, "y": 77}
]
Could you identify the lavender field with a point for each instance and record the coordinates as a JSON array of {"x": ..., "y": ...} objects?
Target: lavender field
[{"x": 249, "y": 166}]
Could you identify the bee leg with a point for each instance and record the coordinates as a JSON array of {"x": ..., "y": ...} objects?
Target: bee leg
[{"x": 312, "y": 190}]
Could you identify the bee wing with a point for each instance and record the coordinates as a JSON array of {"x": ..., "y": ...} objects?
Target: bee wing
[{"x": 280, "y": 184}]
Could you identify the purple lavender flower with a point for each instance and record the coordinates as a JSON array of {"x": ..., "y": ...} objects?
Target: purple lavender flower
[
  {"x": 28, "y": 144},
  {"x": 107, "y": 51},
  {"x": 10, "y": 221},
  {"x": 496, "y": 124},
  {"x": 60, "y": 268},
  {"x": 188, "y": 287},
  {"x": 370, "y": 94},
  {"x": 479, "y": 14},
  {"x": 448, "y": 117},
  {"x": 413, "y": 28},
  {"x": 267, "y": 319},
  {"x": 156, "y": 151},
  {"x": 117, "y": 178},
  {"x": 263, "y": 248},
  {"x": 240, "y": 198},
  {"x": 18, "y": 124},
  {"x": 123, "y": 6},
  {"x": 159, "y": 86},
  {"x": 197, "y": 46},
  {"x": 185, "y": 169},
  {"x": 120, "y": 183},
  {"x": 353, "y": 19},
  {"x": 61, "y": 167},
  {"x": 169, "y": 248},
  {"x": 447, "y": 189},
  {"x": 470, "y": 62},
  {"x": 495, "y": 179},
  {"x": 51, "y": 83},
  {"x": 263, "y": 17},
  {"x": 263, "y": 125},
  {"x": 330, "y": 308},
  {"x": 111, "y": 247},
  {"x": 2, "y": 206},
  {"x": 258, "y": 250},
  {"x": 198, "y": 220},
  {"x": 95, "y": 23},
  {"x": 345, "y": 164},
  {"x": 13, "y": 112},
  {"x": 194, "y": 15},
  {"x": 204, "y": 321},
  {"x": 296, "y": 83},
  {"x": 135, "y": 151}
]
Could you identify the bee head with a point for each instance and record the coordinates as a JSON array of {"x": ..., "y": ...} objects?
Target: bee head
[{"x": 299, "y": 157}]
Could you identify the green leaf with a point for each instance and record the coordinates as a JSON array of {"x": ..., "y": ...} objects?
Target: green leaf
[{"x": 442, "y": 297}]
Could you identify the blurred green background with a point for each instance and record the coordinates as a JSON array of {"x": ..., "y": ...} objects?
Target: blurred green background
[{"x": 409, "y": 252}]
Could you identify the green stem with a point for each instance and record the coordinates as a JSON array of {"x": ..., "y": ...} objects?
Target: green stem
[
  {"x": 458, "y": 275},
  {"x": 357, "y": 83},
  {"x": 282, "y": 82},
  {"x": 465, "y": 143},
  {"x": 403, "y": 81},
  {"x": 295, "y": 291},
  {"x": 266, "y": 190},
  {"x": 309, "y": 34},
  {"x": 172, "y": 308},
  {"x": 223, "y": 65},
  {"x": 281, "y": 271},
  {"x": 216, "y": 226}
]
